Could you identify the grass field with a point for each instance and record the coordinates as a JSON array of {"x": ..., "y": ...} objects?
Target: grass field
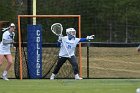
[
  {"x": 70, "y": 86},
  {"x": 112, "y": 62},
  {"x": 104, "y": 63}
]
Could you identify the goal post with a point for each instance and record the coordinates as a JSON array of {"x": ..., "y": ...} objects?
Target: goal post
[{"x": 76, "y": 19}]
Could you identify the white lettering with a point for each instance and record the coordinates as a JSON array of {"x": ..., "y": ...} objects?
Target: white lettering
[
  {"x": 38, "y": 39},
  {"x": 38, "y": 72},
  {"x": 38, "y": 33},
  {"x": 38, "y": 56},
  {"x": 37, "y": 46},
  {"x": 38, "y": 69}
]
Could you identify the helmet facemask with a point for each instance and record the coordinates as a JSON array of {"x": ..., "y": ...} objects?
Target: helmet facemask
[{"x": 71, "y": 33}]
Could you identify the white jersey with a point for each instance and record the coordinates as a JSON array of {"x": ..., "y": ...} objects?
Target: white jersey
[
  {"x": 68, "y": 46},
  {"x": 5, "y": 48}
]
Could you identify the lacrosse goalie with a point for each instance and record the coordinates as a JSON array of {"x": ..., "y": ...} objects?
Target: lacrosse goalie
[{"x": 67, "y": 51}]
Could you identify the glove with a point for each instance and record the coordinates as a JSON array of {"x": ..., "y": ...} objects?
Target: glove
[
  {"x": 90, "y": 37},
  {"x": 60, "y": 38}
]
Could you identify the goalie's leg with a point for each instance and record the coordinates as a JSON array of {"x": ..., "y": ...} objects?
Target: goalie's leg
[
  {"x": 61, "y": 61},
  {"x": 74, "y": 64}
]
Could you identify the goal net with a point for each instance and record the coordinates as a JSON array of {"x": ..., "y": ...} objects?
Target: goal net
[{"x": 49, "y": 53}]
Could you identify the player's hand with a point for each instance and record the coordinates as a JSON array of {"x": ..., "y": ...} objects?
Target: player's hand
[
  {"x": 14, "y": 48},
  {"x": 90, "y": 37},
  {"x": 60, "y": 38}
]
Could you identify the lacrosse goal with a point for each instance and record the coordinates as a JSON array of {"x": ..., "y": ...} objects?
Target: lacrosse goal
[{"x": 49, "y": 46}]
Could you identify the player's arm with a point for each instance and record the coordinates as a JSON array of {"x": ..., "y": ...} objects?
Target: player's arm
[
  {"x": 59, "y": 41},
  {"x": 6, "y": 40},
  {"x": 88, "y": 38},
  {"x": 83, "y": 40}
]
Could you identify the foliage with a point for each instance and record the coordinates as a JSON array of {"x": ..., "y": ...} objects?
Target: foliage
[{"x": 99, "y": 17}]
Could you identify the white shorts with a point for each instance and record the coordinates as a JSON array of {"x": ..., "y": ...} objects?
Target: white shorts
[
  {"x": 5, "y": 52},
  {"x": 4, "y": 49}
]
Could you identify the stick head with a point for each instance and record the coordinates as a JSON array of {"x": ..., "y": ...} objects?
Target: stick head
[{"x": 57, "y": 29}]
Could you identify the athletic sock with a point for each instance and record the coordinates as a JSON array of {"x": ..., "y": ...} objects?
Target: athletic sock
[{"x": 4, "y": 73}]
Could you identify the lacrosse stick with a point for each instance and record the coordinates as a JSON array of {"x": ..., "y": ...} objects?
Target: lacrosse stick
[
  {"x": 5, "y": 29},
  {"x": 57, "y": 29}
]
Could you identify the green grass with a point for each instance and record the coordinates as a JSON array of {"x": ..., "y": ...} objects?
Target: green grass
[
  {"x": 70, "y": 86},
  {"x": 104, "y": 62},
  {"x": 112, "y": 62}
]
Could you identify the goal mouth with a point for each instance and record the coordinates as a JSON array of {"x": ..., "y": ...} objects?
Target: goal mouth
[{"x": 49, "y": 53}]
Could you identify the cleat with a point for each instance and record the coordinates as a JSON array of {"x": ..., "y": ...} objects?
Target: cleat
[
  {"x": 77, "y": 77},
  {"x": 5, "y": 78},
  {"x": 52, "y": 76}
]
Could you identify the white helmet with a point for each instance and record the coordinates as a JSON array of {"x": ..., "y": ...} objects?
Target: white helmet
[
  {"x": 12, "y": 24},
  {"x": 71, "y": 32}
]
